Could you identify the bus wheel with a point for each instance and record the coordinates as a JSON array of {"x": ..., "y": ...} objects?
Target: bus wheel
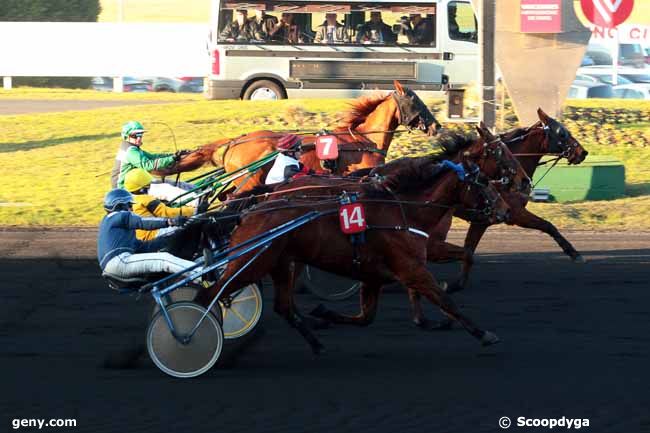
[{"x": 264, "y": 90}]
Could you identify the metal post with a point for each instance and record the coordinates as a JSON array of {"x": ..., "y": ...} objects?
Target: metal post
[
  {"x": 486, "y": 61},
  {"x": 6, "y": 83}
]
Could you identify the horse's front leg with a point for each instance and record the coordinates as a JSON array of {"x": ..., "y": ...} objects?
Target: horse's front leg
[
  {"x": 525, "y": 218},
  {"x": 472, "y": 239},
  {"x": 284, "y": 277},
  {"x": 420, "y": 279},
  {"x": 437, "y": 252},
  {"x": 369, "y": 300}
]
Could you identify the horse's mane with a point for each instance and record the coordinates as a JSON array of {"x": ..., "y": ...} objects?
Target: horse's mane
[
  {"x": 510, "y": 137},
  {"x": 360, "y": 109},
  {"x": 452, "y": 142},
  {"x": 410, "y": 174}
]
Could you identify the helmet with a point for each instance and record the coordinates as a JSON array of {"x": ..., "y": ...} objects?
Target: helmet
[
  {"x": 288, "y": 142},
  {"x": 136, "y": 179},
  {"x": 131, "y": 127},
  {"x": 116, "y": 199}
]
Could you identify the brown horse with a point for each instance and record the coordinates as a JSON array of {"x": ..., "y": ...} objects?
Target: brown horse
[
  {"x": 528, "y": 145},
  {"x": 400, "y": 208},
  {"x": 364, "y": 138}
]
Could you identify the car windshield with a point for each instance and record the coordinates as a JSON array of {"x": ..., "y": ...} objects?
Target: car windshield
[
  {"x": 600, "y": 92},
  {"x": 608, "y": 79},
  {"x": 637, "y": 78}
]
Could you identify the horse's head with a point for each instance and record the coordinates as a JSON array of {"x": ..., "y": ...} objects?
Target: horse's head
[
  {"x": 497, "y": 161},
  {"x": 559, "y": 140},
  {"x": 481, "y": 198},
  {"x": 413, "y": 113}
]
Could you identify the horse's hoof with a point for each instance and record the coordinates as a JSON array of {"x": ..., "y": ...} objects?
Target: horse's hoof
[
  {"x": 434, "y": 325},
  {"x": 454, "y": 287},
  {"x": 489, "y": 339},
  {"x": 579, "y": 259},
  {"x": 320, "y": 311}
]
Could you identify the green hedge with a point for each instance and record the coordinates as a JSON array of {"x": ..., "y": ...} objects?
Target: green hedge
[{"x": 49, "y": 10}]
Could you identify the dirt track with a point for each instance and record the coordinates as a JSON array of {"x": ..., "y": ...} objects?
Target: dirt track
[{"x": 575, "y": 344}]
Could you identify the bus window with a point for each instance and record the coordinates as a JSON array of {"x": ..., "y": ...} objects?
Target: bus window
[
  {"x": 323, "y": 24},
  {"x": 461, "y": 22}
]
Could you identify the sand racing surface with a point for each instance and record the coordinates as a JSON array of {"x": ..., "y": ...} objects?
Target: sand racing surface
[{"x": 575, "y": 343}]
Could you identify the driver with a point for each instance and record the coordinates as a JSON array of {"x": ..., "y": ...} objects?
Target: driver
[
  {"x": 138, "y": 182},
  {"x": 287, "y": 164},
  {"x": 131, "y": 156},
  {"x": 121, "y": 254}
]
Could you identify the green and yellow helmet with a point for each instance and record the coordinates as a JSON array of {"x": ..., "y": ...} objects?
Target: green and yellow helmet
[{"x": 132, "y": 127}]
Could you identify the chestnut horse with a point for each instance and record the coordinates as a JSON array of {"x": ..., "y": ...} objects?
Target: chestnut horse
[
  {"x": 364, "y": 138},
  {"x": 528, "y": 145},
  {"x": 400, "y": 208}
]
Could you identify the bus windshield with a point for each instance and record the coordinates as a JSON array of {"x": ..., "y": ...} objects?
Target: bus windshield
[{"x": 315, "y": 23}]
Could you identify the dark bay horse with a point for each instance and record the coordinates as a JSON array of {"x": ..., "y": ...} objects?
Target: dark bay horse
[
  {"x": 528, "y": 145},
  {"x": 364, "y": 136},
  {"x": 400, "y": 208},
  {"x": 548, "y": 136}
]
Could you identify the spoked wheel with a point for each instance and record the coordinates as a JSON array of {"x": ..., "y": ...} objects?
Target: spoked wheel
[
  {"x": 328, "y": 286},
  {"x": 187, "y": 293},
  {"x": 241, "y": 311},
  {"x": 187, "y": 358}
]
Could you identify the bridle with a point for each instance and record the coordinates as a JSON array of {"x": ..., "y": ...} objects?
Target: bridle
[
  {"x": 557, "y": 139},
  {"x": 489, "y": 198},
  {"x": 411, "y": 108},
  {"x": 496, "y": 149}
]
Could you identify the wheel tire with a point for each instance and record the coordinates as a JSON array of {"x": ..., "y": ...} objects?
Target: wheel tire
[
  {"x": 186, "y": 293},
  {"x": 192, "y": 358},
  {"x": 326, "y": 286},
  {"x": 264, "y": 90},
  {"x": 243, "y": 312}
]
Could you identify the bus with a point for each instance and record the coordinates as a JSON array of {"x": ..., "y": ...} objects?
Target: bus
[{"x": 267, "y": 49}]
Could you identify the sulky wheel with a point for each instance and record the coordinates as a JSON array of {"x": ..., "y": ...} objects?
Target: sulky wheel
[
  {"x": 241, "y": 311},
  {"x": 326, "y": 286},
  {"x": 189, "y": 358},
  {"x": 185, "y": 293}
]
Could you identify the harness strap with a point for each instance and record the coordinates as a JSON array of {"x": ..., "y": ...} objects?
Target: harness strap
[{"x": 415, "y": 231}]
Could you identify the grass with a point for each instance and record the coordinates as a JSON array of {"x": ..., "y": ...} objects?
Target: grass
[{"x": 51, "y": 161}]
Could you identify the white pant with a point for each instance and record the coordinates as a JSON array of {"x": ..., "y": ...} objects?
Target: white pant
[
  {"x": 128, "y": 265},
  {"x": 167, "y": 191}
]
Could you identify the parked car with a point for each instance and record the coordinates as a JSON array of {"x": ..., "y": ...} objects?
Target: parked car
[
  {"x": 632, "y": 91},
  {"x": 587, "y": 61},
  {"x": 628, "y": 55},
  {"x": 589, "y": 89},
  {"x": 129, "y": 84},
  {"x": 646, "y": 52},
  {"x": 182, "y": 84},
  {"x": 625, "y": 75}
]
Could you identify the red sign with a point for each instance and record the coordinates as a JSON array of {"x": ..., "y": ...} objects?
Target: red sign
[
  {"x": 352, "y": 218},
  {"x": 327, "y": 147},
  {"x": 607, "y": 13},
  {"x": 541, "y": 16}
]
